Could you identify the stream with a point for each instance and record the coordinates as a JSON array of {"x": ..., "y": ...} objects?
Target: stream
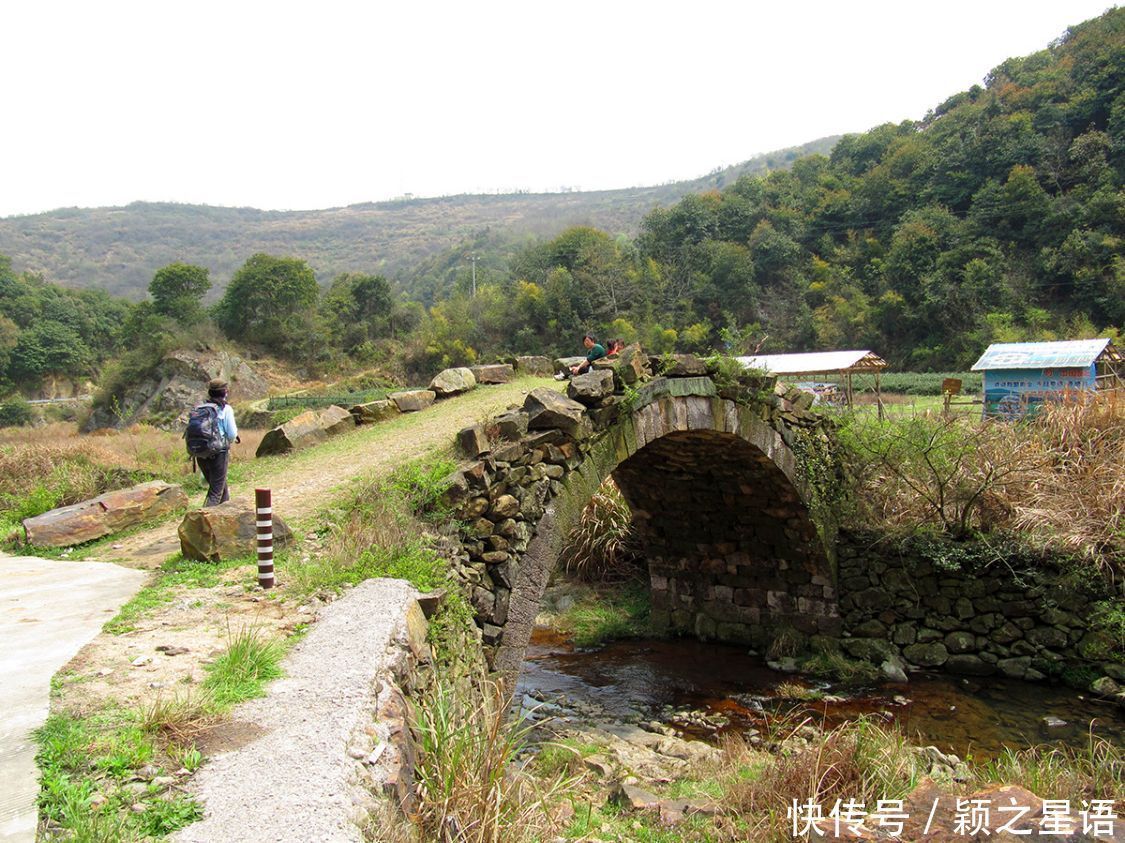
[{"x": 704, "y": 689}]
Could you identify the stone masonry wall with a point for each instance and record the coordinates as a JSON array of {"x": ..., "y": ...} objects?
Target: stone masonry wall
[
  {"x": 732, "y": 553},
  {"x": 967, "y": 612},
  {"x": 708, "y": 468}
]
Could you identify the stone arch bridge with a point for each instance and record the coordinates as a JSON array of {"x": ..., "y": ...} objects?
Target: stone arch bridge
[{"x": 720, "y": 474}]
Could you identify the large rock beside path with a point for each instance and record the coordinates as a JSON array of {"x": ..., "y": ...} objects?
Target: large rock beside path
[
  {"x": 309, "y": 428},
  {"x": 413, "y": 400},
  {"x": 493, "y": 373},
  {"x": 226, "y": 531},
  {"x": 449, "y": 382},
  {"x": 374, "y": 412},
  {"x": 537, "y": 366},
  {"x": 103, "y": 515}
]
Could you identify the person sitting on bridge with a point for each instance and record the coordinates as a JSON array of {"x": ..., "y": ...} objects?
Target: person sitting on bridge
[{"x": 594, "y": 351}]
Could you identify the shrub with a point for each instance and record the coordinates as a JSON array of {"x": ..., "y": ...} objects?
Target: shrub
[
  {"x": 15, "y": 412},
  {"x": 469, "y": 787},
  {"x": 603, "y": 546}
]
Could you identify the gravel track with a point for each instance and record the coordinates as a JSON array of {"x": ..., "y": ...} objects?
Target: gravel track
[{"x": 296, "y": 781}]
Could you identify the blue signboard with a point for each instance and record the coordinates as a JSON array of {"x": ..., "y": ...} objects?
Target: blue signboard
[{"x": 1014, "y": 392}]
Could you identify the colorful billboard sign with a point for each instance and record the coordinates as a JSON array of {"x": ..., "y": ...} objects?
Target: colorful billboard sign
[{"x": 1014, "y": 392}]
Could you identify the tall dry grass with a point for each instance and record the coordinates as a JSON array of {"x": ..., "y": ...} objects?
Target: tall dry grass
[
  {"x": 1058, "y": 478},
  {"x": 470, "y": 789},
  {"x": 1075, "y": 496},
  {"x": 603, "y": 547}
]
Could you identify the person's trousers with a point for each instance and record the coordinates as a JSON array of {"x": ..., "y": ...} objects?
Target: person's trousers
[{"x": 214, "y": 470}]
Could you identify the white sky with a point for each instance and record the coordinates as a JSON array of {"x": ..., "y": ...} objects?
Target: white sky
[{"x": 320, "y": 103}]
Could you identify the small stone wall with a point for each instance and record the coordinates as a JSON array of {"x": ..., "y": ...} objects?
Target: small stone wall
[{"x": 964, "y": 609}]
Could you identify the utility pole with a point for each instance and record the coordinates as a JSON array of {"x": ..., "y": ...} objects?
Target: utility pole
[{"x": 473, "y": 259}]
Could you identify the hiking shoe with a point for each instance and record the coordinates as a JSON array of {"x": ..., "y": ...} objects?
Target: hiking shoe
[{"x": 560, "y": 376}]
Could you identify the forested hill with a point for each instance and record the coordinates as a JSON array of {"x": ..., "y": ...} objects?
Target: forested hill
[
  {"x": 998, "y": 217},
  {"x": 119, "y": 249}
]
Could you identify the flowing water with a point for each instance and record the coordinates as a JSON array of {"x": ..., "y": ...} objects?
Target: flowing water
[{"x": 704, "y": 689}]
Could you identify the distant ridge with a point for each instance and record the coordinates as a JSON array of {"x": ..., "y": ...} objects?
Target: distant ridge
[{"x": 119, "y": 249}]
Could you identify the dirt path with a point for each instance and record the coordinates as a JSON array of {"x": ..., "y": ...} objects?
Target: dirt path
[{"x": 301, "y": 482}]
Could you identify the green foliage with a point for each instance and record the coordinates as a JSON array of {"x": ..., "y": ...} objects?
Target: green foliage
[
  {"x": 15, "y": 413},
  {"x": 269, "y": 302},
  {"x": 242, "y": 670},
  {"x": 98, "y": 755},
  {"x": 177, "y": 290},
  {"x": 608, "y": 615},
  {"x": 420, "y": 484}
]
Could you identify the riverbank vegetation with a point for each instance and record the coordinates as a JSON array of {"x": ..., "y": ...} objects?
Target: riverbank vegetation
[{"x": 1055, "y": 481}]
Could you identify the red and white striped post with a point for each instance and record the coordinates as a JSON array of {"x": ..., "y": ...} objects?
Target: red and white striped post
[{"x": 263, "y": 501}]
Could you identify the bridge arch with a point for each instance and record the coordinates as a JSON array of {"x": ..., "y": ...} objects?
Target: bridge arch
[{"x": 718, "y": 497}]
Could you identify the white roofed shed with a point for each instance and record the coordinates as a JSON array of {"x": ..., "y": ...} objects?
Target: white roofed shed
[{"x": 845, "y": 364}]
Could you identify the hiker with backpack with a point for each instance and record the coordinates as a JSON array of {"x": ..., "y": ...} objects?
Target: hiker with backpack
[{"x": 210, "y": 433}]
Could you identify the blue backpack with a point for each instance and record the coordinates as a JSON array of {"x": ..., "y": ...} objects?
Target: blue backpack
[{"x": 204, "y": 435}]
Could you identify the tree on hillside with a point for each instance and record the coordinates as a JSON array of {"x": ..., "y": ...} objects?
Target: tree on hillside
[
  {"x": 177, "y": 290},
  {"x": 359, "y": 309},
  {"x": 270, "y": 301},
  {"x": 49, "y": 348}
]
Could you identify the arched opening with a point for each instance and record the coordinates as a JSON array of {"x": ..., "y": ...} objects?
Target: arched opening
[{"x": 732, "y": 553}]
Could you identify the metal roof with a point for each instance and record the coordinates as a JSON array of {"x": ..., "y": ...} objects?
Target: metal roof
[
  {"x": 815, "y": 363},
  {"x": 1045, "y": 355}
]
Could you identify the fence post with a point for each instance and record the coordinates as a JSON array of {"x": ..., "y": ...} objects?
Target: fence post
[{"x": 263, "y": 501}]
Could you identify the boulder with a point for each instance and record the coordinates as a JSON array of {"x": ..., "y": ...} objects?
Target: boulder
[
  {"x": 510, "y": 425},
  {"x": 309, "y": 428},
  {"x": 563, "y": 364},
  {"x": 374, "y": 412},
  {"x": 224, "y": 532},
  {"x": 591, "y": 387},
  {"x": 539, "y": 367},
  {"x": 103, "y": 515},
  {"x": 633, "y": 364},
  {"x": 473, "y": 441},
  {"x": 679, "y": 366},
  {"x": 412, "y": 400},
  {"x": 494, "y": 373},
  {"x": 453, "y": 382},
  {"x": 926, "y": 655},
  {"x": 175, "y": 385},
  {"x": 548, "y": 410}
]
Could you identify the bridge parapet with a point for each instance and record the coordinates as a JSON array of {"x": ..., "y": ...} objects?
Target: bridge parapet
[{"x": 720, "y": 470}]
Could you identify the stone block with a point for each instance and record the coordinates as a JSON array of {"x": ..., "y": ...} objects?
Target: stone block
[
  {"x": 450, "y": 382},
  {"x": 926, "y": 655},
  {"x": 472, "y": 441},
  {"x": 510, "y": 425},
  {"x": 493, "y": 373},
  {"x": 374, "y": 412},
  {"x": 413, "y": 400},
  {"x": 536, "y": 366},
  {"x": 224, "y": 532},
  {"x": 550, "y": 410},
  {"x": 591, "y": 387},
  {"x": 103, "y": 515},
  {"x": 310, "y": 428}
]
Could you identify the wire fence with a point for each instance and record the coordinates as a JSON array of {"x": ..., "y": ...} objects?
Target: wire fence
[{"x": 316, "y": 402}]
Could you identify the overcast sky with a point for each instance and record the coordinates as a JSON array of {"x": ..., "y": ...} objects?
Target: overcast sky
[{"x": 319, "y": 104}]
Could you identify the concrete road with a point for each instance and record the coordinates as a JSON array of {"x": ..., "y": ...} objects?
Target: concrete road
[{"x": 49, "y": 610}]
